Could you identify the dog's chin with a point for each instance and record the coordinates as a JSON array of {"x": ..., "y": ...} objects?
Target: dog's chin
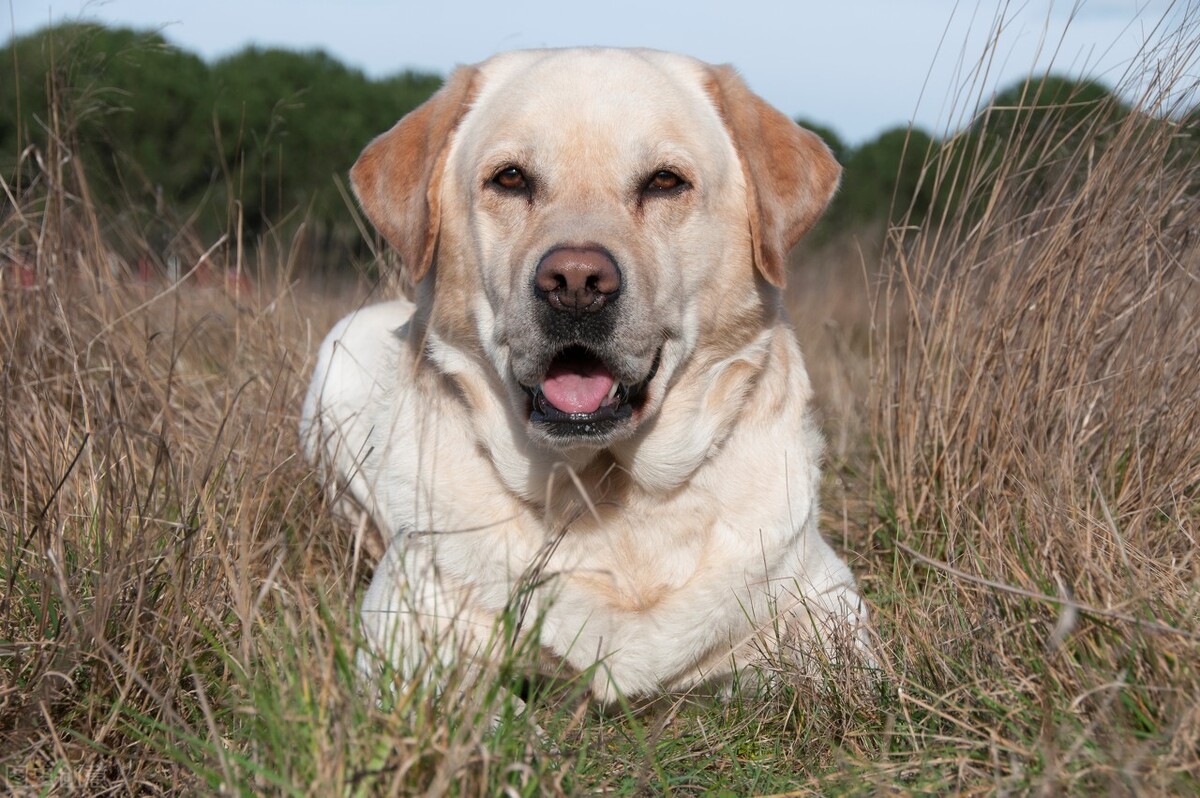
[{"x": 580, "y": 404}]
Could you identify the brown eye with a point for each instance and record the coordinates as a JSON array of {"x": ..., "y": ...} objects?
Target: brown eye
[
  {"x": 510, "y": 178},
  {"x": 665, "y": 180}
]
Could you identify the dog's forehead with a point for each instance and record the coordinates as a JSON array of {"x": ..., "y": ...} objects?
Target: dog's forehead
[{"x": 604, "y": 95}]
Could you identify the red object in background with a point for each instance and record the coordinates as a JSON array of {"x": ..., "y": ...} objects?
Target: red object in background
[
  {"x": 145, "y": 270},
  {"x": 231, "y": 281},
  {"x": 238, "y": 284},
  {"x": 17, "y": 274}
]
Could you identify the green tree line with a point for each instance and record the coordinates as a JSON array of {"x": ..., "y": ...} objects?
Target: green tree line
[
  {"x": 1043, "y": 131},
  {"x": 262, "y": 139}
]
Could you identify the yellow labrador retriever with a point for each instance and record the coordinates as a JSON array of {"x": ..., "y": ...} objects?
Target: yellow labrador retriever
[{"x": 594, "y": 409}]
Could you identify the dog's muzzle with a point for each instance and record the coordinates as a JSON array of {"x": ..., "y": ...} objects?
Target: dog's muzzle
[{"x": 580, "y": 395}]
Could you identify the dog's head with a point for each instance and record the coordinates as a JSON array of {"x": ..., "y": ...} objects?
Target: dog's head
[{"x": 586, "y": 221}]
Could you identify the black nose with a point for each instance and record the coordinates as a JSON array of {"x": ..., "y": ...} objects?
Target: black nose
[{"x": 577, "y": 279}]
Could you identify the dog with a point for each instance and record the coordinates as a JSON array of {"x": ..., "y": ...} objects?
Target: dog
[{"x": 591, "y": 406}]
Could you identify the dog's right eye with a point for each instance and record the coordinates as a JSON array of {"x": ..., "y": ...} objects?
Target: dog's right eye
[{"x": 510, "y": 178}]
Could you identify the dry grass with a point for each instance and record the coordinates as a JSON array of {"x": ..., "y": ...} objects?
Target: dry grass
[
  {"x": 1038, "y": 433},
  {"x": 151, "y": 500},
  {"x": 1010, "y": 396},
  {"x": 176, "y": 604}
]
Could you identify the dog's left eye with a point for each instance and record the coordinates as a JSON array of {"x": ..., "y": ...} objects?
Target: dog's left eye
[
  {"x": 665, "y": 180},
  {"x": 511, "y": 179}
]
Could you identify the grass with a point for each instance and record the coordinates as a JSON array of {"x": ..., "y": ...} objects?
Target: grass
[{"x": 1010, "y": 394}]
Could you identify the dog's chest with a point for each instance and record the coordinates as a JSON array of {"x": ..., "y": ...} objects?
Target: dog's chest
[{"x": 651, "y": 589}]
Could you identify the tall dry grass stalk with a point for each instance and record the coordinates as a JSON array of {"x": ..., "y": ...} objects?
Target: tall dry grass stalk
[{"x": 1038, "y": 433}]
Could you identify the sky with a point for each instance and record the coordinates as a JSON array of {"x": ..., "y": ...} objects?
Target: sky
[{"x": 859, "y": 66}]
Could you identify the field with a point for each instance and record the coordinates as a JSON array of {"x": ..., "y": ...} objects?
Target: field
[{"x": 1010, "y": 388}]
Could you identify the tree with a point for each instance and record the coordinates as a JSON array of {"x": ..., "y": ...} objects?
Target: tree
[
  {"x": 1046, "y": 129},
  {"x": 883, "y": 180},
  {"x": 131, "y": 105},
  {"x": 290, "y": 123},
  {"x": 259, "y": 137},
  {"x": 1051, "y": 111}
]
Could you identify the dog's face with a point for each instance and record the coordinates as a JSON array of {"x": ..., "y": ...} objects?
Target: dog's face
[{"x": 585, "y": 221}]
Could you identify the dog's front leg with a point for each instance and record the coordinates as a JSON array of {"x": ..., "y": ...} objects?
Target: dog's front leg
[
  {"x": 421, "y": 629},
  {"x": 823, "y": 618}
]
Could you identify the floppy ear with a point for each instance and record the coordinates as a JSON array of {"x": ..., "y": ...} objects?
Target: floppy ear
[
  {"x": 397, "y": 177},
  {"x": 790, "y": 173}
]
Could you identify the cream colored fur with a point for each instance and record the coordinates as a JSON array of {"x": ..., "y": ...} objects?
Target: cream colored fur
[{"x": 675, "y": 552}]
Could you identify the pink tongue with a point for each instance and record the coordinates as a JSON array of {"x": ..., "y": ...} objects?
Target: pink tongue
[{"x": 577, "y": 387}]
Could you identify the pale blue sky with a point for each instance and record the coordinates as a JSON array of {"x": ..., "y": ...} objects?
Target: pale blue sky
[{"x": 859, "y": 66}]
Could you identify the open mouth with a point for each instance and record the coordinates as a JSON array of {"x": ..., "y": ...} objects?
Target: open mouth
[{"x": 579, "y": 396}]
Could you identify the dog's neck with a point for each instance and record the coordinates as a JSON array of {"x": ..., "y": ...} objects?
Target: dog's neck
[{"x": 701, "y": 411}]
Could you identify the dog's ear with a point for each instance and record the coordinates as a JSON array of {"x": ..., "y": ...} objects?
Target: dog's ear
[
  {"x": 398, "y": 175},
  {"x": 790, "y": 173}
]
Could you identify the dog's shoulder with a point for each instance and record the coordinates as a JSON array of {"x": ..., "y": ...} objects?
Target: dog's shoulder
[{"x": 355, "y": 365}]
